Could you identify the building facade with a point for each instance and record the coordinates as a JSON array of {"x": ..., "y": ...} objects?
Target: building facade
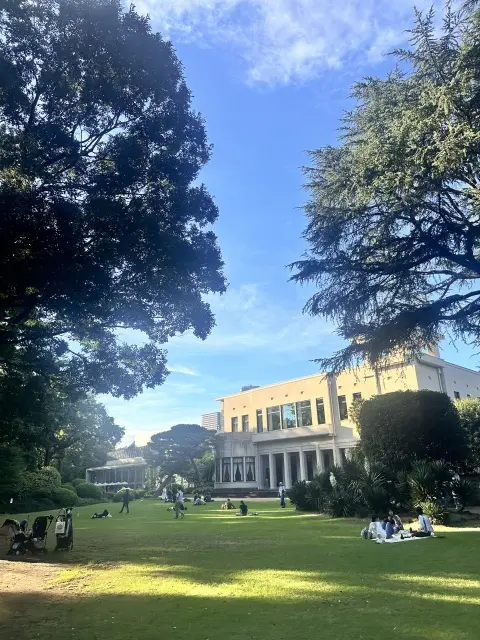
[
  {"x": 212, "y": 420},
  {"x": 288, "y": 431},
  {"x": 125, "y": 467}
]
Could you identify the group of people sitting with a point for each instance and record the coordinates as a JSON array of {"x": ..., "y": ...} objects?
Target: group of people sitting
[
  {"x": 226, "y": 506},
  {"x": 392, "y": 525},
  {"x": 198, "y": 499}
]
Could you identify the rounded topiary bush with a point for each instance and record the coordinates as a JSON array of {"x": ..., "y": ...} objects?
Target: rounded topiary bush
[
  {"x": 87, "y": 490},
  {"x": 70, "y": 487},
  {"x": 76, "y": 481},
  {"x": 64, "y": 497}
]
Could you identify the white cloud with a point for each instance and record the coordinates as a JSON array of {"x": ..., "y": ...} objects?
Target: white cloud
[
  {"x": 186, "y": 371},
  {"x": 283, "y": 41}
]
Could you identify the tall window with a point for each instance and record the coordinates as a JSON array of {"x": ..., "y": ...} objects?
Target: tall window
[
  {"x": 259, "y": 421},
  {"x": 238, "y": 469},
  {"x": 357, "y": 397},
  {"x": 226, "y": 469},
  {"x": 342, "y": 405},
  {"x": 250, "y": 469},
  {"x": 304, "y": 414},
  {"x": 273, "y": 418},
  {"x": 289, "y": 418},
  {"x": 244, "y": 423},
  {"x": 234, "y": 425},
  {"x": 217, "y": 470},
  {"x": 320, "y": 411}
]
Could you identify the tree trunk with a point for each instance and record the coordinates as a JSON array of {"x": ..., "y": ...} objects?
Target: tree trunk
[
  {"x": 47, "y": 458},
  {"x": 196, "y": 471}
]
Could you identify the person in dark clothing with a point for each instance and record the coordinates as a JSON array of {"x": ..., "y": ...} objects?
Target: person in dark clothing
[
  {"x": 126, "y": 500},
  {"x": 243, "y": 508}
]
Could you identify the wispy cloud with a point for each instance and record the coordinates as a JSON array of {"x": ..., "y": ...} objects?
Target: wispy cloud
[
  {"x": 186, "y": 371},
  {"x": 283, "y": 41}
]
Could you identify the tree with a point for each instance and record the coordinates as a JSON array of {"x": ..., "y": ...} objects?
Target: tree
[
  {"x": 103, "y": 225},
  {"x": 174, "y": 452},
  {"x": 393, "y": 215},
  {"x": 469, "y": 412},
  {"x": 396, "y": 428}
]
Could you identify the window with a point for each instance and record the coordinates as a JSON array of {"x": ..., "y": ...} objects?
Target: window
[
  {"x": 217, "y": 470},
  {"x": 250, "y": 469},
  {"x": 456, "y": 395},
  {"x": 320, "y": 411},
  {"x": 327, "y": 459},
  {"x": 304, "y": 414},
  {"x": 357, "y": 397},
  {"x": 244, "y": 423},
  {"x": 238, "y": 469},
  {"x": 289, "y": 418},
  {"x": 234, "y": 425},
  {"x": 342, "y": 405},
  {"x": 273, "y": 418},
  {"x": 259, "y": 421},
  {"x": 311, "y": 463},
  {"x": 226, "y": 470}
]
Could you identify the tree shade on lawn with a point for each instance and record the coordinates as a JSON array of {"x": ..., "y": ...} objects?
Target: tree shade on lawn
[{"x": 277, "y": 576}]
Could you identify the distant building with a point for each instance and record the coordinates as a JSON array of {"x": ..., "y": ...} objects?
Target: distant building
[
  {"x": 212, "y": 420},
  {"x": 124, "y": 468},
  {"x": 249, "y": 387},
  {"x": 288, "y": 431}
]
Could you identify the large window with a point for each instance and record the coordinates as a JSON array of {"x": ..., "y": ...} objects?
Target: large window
[
  {"x": 304, "y": 414},
  {"x": 320, "y": 411},
  {"x": 273, "y": 418},
  {"x": 250, "y": 469},
  {"x": 226, "y": 469},
  {"x": 289, "y": 417},
  {"x": 238, "y": 469},
  {"x": 259, "y": 421},
  {"x": 357, "y": 397},
  {"x": 342, "y": 406},
  {"x": 234, "y": 425},
  {"x": 244, "y": 423},
  {"x": 217, "y": 470}
]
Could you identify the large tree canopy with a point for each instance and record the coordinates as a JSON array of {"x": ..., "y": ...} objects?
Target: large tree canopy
[
  {"x": 394, "y": 213},
  {"x": 103, "y": 225},
  {"x": 397, "y": 428}
]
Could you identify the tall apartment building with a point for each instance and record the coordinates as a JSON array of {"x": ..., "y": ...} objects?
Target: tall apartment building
[
  {"x": 286, "y": 431},
  {"x": 212, "y": 420}
]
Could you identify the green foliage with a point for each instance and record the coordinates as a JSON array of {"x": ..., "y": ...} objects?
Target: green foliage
[
  {"x": 298, "y": 495},
  {"x": 63, "y": 497},
  {"x": 393, "y": 209},
  {"x": 86, "y": 502},
  {"x": 465, "y": 493},
  {"x": 100, "y": 155},
  {"x": 436, "y": 512},
  {"x": 69, "y": 486},
  {"x": 12, "y": 465},
  {"x": 428, "y": 479},
  {"x": 469, "y": 412},
  {"x": 32, "y": 482},
  {"x": 76, "y": 481},
  {"x": 398, "y": 427},
  {"x": 87, "y": 490},
  {"x": 118, "y": 496},
  {"x": 176, "y": 451}
]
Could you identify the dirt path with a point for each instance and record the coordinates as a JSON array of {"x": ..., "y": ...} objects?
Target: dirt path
[{"x": 26, "y": 577}]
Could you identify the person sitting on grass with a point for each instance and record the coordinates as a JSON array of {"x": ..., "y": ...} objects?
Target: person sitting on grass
[
  {"x": 243, "y": 508},
  {"x": 389, "y": 527},
  {"x": 376, "y": 529},
  {"x": 425, "y": 528},
  {"x": 198, "y": 501},
  {"x": 228, "y": 505},
  {"x": 397, "y": 523}
]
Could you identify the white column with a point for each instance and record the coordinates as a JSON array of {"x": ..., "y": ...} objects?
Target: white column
[
  {"x": 258, "y": 477},
  {"x": 320, "y": 465},
  {"x": 303, "y": 466},
  {"x": 286, "y": 470},
  {"x": 271, "y": 465}
]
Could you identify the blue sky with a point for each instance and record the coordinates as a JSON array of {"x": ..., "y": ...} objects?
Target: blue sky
[{"x": 271, "y": 78}]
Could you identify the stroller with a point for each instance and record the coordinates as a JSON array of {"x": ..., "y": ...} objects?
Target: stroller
[
  {"x": 64, "y": 530},
  {"x": 34, "y": 541}
]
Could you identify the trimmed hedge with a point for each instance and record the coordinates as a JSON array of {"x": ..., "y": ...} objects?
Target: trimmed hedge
[
  {"x": 63, "y": 497},
  {"x": 87, "y": 490},
  {"x": 76, "y": 481}
]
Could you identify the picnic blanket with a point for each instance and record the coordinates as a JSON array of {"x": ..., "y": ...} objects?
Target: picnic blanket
[{"x": 399, "y": 539}]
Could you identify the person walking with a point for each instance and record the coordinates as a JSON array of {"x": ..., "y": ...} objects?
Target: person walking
[
  {"x": 281, "y": 492},
  {"x": 126, "y": 500},
  {"x": 179, "y": 504}
]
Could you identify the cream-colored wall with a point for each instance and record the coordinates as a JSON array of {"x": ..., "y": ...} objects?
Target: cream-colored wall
[
  {"x": 465, "y": 381},
  {"x": 247, "y": 403}
]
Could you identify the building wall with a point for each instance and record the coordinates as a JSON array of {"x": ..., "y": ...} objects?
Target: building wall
[{"x": 212, "y": 420}]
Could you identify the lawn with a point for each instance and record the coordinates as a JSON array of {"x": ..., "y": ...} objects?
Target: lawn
[{"x": 215, "y": 576}]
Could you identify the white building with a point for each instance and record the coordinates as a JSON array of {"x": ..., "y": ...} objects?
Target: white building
[
  {"x": 125, "y": 467},
  {"x": 286, "y": 431},
  {"x": 212, "y": 420}
]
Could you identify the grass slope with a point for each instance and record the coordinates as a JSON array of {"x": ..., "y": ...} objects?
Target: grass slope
[{"x": 279, "y": 576}]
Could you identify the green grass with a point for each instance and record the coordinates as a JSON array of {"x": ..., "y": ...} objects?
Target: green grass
[{"x": 278, "y": 576}]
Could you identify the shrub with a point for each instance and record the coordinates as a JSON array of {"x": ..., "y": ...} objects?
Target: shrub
[
  {"x": 464, "y": 493},
  {"x": 76, "y": 481},
  {"x": 118, "y": 497},
  {"x": 11, "y": 466},
  {"x": 298, "y": 496},
  {"x": 64, "y": 497},
  {"x": 47, "y": 478},
  {"x": 42, "y": 495},
  {"x": 427, "y": 479},
  {"x": 86, "y": 502},
  {"x": 70, "y": 487},
  {"x": 87, "y": 490},
  {"x": 140, "y": 493},
  {"x": 437, "y": 513},
  {"x": 50, "y": 477}
]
